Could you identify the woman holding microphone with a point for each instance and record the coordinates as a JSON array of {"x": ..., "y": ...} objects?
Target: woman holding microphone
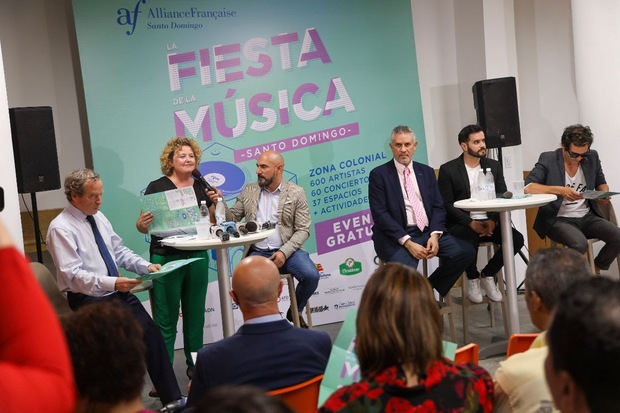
[{"x": 187, "y": 285}]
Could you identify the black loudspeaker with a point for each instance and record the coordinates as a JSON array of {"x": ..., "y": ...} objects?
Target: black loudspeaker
[
  {"x": 497, "y": 110},
  {"x": 34, "y": 148}
]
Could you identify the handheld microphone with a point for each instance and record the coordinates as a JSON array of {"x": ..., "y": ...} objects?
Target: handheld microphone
[
  {"x": 505, "y": 195},
  {"x": 196, "y": 174},
  {"x": 242, "y": 229},
  {"x": 231, "y": 228},
  {"x": 219, "y": 232}
]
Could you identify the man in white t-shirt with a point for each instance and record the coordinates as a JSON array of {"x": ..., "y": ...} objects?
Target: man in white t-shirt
[{"x": 570, "y": 220}]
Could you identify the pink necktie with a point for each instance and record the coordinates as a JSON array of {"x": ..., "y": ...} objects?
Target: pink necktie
[{"x": 418, "y": 209}]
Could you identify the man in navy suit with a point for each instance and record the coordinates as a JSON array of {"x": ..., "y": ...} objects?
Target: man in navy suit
[
  {"x": 409, "y": 215},
  {"x": 267, "y": 351}
]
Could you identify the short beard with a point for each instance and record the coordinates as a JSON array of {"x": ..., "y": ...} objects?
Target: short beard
[
  {"x": 265, "y": 182},
  {"x": 475, "y": 154}
]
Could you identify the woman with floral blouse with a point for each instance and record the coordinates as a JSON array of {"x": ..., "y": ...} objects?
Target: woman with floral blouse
[{"x": 399, "y": 349}]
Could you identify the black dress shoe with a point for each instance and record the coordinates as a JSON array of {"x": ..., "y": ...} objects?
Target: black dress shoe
[{"x": 302, "y": 322}]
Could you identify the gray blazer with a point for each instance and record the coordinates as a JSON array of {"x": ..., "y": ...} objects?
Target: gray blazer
[
  {"x": 293, "y": 213},
  {"x": 549, "y": 170}
]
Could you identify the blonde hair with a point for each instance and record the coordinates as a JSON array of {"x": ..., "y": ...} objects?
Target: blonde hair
[{"x": 172, "y": 146}]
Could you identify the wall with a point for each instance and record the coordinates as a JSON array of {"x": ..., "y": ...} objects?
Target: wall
[
  {"x": 10, "y": 213},
  {"x": 40, "y": 71}
]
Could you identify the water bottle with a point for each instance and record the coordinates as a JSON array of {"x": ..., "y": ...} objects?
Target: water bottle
[
  {"x": 486, "y": 185},
  {"x": 220, "y": 212},
  {"x": 204, "y": 211}
]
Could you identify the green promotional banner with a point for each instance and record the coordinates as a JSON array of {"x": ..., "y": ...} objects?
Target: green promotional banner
[{"x": 322, "y": 82}]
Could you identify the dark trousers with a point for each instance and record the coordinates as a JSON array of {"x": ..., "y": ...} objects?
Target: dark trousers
[
  {"x": 497, "y": 261},
  {"x": 157, "y": 361},
  {"x": 574, "y": 233},
  {"x": 455, "y": 255}
]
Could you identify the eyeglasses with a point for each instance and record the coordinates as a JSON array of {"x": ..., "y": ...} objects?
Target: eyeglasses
[{"x": 577, "y": 155}]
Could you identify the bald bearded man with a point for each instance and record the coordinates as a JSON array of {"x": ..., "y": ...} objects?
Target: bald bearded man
[{"x": 267, "y": 351}]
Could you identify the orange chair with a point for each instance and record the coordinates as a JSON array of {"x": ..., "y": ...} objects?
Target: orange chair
[
  {"x": 302, "y": 397},
  {"x": 519, "y": 343},
  {"x": 467, "y": 354}
]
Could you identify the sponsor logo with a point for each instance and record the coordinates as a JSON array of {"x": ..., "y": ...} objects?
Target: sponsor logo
[
  {"x": 319, "y": 309},
  {"x": 319, "y": 267},
  {"x": 325, "y": 275},
  {"x": 128, "y": 17},
  {"x": 284, "y": 298},
  {"x": 210, "y": 310},
  {"x": 163, "y": 18},
  {"x": 357, "y": 287},
  {"x": 334, "y": 290},
  {"x": 350, "y": 267},
  {"x": 344, "y": 304}
]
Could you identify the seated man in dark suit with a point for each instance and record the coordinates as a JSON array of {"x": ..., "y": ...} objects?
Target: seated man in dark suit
[
  {"x": 571, "y": 219},
  {"x": 267, "y": 351},
  {"x": 456, "y": 179},
  {"x": 409, "y": 215}
]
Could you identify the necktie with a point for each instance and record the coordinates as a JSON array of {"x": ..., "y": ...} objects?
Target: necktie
[
  {"x": 418, "y": 209},
  {"x": 103, "y": 250}
]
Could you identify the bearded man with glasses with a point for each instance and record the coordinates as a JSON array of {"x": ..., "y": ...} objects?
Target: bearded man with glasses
[{"x": 571, "y": 219}]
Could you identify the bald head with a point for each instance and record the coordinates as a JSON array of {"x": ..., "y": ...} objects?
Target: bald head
[
  {"x": 273, "y": 157},
  {"x": 256, "y": 284},
  {"x": 269, "y": 167}
]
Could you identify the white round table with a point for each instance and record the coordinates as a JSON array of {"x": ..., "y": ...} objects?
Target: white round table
[
  {"x": 504, "y": 206},
  {"x": 192, "y": 243}
]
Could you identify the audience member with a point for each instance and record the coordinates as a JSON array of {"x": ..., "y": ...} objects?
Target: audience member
[
  {"x": 571, "y": 219},
  {"x": 35, "y": 369},
  {"x": 520, "y": 380},
  {"x": 267, "y": 351},
  {"x": 584, "y": 348},
  {"x": 108, "y": 358},
  {"x": 87, "y": 253},
  {"x": 399, "y": 348},
  {"x": 409, "y": 215},
  {"x": 239, "y": 399}
]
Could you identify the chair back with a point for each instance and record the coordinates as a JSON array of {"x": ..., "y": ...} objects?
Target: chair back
[
  {"x": 48, "y": 282},
  {"x": 467, "y": 354},
  {"x": 302, "y": 397},
  {"x": 519, "y": 343}
]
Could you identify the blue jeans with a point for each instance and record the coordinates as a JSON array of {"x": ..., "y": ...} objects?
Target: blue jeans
[
  {"x": 455, "y": 255},
  {"x": 300, "y": 266}
]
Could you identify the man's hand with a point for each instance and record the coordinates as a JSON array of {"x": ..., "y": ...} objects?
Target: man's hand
[
  {"x": 144, "y": 220},
  {"x": 278, "y": 258},
  {"x": 432, "y": 246},
  {"x": 416, "y": 250},
  {"x": 489, "y": 226},
  {"x": 214, "y": 195},
  {"x": 604, "y": 201},
  {"x": 478, "y": 227},
  {"x": 154, "y": 267},
  {"x": 124, "y": 284},
  {"x": 570, "y": 194}
]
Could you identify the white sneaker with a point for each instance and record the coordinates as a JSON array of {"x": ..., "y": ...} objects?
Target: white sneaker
[
  {"x": 473, "y": 290},
  {"x": 490, "y": 289}
]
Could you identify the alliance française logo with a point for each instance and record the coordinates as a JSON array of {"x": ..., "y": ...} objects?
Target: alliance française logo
[{"x": 128, "y": 17}]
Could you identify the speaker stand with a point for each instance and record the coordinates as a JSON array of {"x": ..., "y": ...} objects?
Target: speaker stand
[{"x": 37, "y": 229}]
